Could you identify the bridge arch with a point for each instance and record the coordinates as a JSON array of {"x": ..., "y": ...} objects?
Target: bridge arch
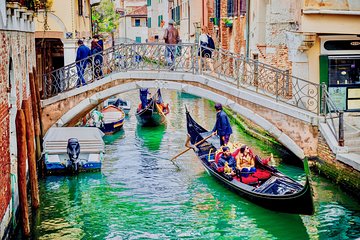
[{"x": 68, "y": 107}]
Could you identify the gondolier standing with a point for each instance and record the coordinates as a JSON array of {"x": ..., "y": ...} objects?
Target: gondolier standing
[
  {"x": 222, "y": 126},
  {"x": 143, "y": 97}
]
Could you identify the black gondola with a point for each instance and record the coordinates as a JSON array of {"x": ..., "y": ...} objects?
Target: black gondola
[
  {"x": 154, "y": 113},
  {"x": 278, "y": 192}
]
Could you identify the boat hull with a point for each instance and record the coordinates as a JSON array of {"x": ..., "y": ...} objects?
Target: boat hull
[
  {"x": 110, "y": 128},
  {"x": 148, "y": 117}
]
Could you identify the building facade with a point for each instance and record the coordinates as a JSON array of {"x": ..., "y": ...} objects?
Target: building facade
[
  {"x": 57, "y": 31},
  {"x": 158, "y": 19},
  {"x": 133, "y": 22},
  {"x": 17, "y": 56}
]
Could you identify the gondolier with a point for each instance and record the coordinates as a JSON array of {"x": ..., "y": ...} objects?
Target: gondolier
[
  {"x": 144, "y": 92},
  {"x": 222, "y": 126}
]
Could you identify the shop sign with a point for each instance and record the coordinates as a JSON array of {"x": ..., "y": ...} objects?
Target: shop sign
[{"x": 338, "y": 96}]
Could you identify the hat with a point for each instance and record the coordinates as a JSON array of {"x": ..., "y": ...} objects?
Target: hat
[
  {"x": 218, "y": 106},
  {"x": 225, "y": 148},
  {"x": 171, "y": 22},
  {"x": 80, "y": 41}
]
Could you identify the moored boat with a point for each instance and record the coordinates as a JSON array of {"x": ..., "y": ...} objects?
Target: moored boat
[
  {"x": 112, "y": 119},
  {"x": 270, "y": 188},
  {"x": 154, "y": 113},
  {"x": 125, "y": 105},
  {"x": 73, "y": 149}
]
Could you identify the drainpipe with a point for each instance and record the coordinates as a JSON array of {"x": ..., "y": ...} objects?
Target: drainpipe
[{"x": 247, "y": 28}]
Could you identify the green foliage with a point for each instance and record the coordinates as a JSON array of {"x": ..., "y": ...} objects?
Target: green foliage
[{"x": 104, "y": 17}]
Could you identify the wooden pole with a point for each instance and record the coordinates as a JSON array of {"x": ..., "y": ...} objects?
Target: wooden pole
[
  {"x": 201, "y": 141},
  {"x": 35, "y": 115},
  {"x": 37, "y": 94},
  {"x": 21, "y": 151},
  {"x": 35, "y": 202}
]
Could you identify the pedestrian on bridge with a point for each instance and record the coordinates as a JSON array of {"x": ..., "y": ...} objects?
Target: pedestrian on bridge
[
  {"x": 222, "y": 126},
  {"x": 82, "y": 54},
  {"x": 172, "y": 38}
]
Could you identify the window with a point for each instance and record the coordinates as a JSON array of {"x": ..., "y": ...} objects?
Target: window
[
  {"x": 138, "y": 39},
  {"x": 137, "y": 22},
  {"x": 175, "y": 14},
  {"x": 80, "y": 6},
  {"x": 149, "y": 22},
  {"x": 160, "y": 18},
  {"x": 149, "y": 2},
  {"x": 344, "y": 70},
  {"x": 217, "y": 11}
]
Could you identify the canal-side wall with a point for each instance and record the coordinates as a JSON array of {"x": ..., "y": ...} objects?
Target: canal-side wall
[
  {"x": 17, "y": 57},
  {"x": 327, "y": 165}
]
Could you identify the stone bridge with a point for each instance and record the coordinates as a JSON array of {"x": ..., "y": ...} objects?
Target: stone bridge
[{"x": 285, "y": 106}]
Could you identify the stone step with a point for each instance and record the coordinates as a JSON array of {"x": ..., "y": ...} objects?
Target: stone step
[{"x": 355, "y": 149}]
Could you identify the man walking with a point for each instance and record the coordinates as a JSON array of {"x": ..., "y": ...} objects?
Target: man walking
[
  {"x": 172, "y": 38},
  {"x": 82, "y": 53}
]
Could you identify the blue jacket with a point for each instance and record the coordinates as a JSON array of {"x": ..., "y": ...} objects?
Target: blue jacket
[
  {"x": 82, "y": 53},
  {"x": 230, "y": 159},
  {"x": 222, "y": 125}
]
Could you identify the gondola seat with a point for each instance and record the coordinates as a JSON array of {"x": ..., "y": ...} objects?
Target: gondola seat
[
  {"x": 250, "y": 180},
  {"x": 261, "y": 174}
]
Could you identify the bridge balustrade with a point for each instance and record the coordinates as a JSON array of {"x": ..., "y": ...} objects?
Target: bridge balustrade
[{"x": 224, "y": 66}]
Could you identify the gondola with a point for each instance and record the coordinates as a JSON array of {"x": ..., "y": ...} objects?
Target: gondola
[
  {"x": 276, "y": 192},
  {"x": 113, "y": 119},
  {"x": 154, "y": 113}
]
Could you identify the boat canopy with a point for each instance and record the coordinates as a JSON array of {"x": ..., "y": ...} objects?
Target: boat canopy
[{"x": 90, "y": 139}]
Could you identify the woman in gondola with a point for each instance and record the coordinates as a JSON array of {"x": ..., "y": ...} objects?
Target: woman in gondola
[{"x": 245, "y": 160}]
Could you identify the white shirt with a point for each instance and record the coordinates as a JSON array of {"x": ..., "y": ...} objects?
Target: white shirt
[{"x": 203, "y": 38}]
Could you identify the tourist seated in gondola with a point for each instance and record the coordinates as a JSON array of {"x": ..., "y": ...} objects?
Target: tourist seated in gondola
[
  {"x": 245, "y": 161},
  {"x": 226, "y": 157}
]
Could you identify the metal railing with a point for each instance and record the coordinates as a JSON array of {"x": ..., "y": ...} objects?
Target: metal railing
[
  {"x": 223, "y": 65},
  {"x": 331, "y": 112}
]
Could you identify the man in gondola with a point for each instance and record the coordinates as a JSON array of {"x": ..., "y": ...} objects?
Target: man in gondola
[
  {"x": 227, "y": 157},
  {"x": 222, "y": 126},
  {"x": 144, "y": 92}
]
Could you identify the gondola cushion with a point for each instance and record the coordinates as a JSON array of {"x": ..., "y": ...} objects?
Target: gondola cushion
[
  {"x": 217, "y": 157},
  {"x": 261, "y": 174},
  {"x": 249, "y": 180}
]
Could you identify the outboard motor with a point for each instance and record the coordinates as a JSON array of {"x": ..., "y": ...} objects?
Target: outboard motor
[{"x": 73, "y": 150}]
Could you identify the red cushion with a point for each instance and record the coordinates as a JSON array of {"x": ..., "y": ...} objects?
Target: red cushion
[
  {"x": 249, "y": 180},
  {"x": 235, "y": 152},
  {"x": 261, "y": 174},
  {"x": 220, "y": 169}
]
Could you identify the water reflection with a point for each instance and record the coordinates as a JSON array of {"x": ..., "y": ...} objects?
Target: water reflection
[{"x": 150, "y": 137}]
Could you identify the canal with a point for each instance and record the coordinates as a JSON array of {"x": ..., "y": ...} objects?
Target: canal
[{"x": 140, "y": 194}]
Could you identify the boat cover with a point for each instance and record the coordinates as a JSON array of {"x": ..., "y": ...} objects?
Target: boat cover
[{"x": 90, "y": 139}]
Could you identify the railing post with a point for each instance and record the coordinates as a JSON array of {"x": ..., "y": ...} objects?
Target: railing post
[
  {"x": 341, "y": 129},
  {"x": 256, "y": 75},
  {"x": 277, "y": 85},
  {"x": 287, "y": 83},
  {"x": 323, "y": 99}
]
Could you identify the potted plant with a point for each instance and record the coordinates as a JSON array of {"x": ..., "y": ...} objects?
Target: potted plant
[{"x": 228, "y": 22}]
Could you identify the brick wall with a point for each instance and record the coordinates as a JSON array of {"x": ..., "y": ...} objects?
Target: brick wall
[
  {"x": 20, "y": 46},
  {"x": 5, "y": 193}
]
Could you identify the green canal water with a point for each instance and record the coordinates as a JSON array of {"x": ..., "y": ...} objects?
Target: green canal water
[{"x": 140, "y": 194}]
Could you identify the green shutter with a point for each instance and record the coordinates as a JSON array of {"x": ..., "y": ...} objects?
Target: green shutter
[
  {"x": 149, "y": 22},
  {"x": 149, "y": 2},
  {"x": 324, "y": 69},
  {"x": 138, "y": 39}
]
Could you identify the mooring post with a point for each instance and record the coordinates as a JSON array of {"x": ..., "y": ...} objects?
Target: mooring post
[
  {"x": 35, "y": 202},
  {"x": 36, "y": 116},
  {"x": 21, "y": 158},
  {"x": 341, "y": 129}
]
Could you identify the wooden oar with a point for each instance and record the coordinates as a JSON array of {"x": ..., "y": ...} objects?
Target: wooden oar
[{"x": 201, "y": 141}]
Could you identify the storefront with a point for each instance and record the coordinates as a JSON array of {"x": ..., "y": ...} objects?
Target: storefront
[{"x": 340, "y": 70}]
